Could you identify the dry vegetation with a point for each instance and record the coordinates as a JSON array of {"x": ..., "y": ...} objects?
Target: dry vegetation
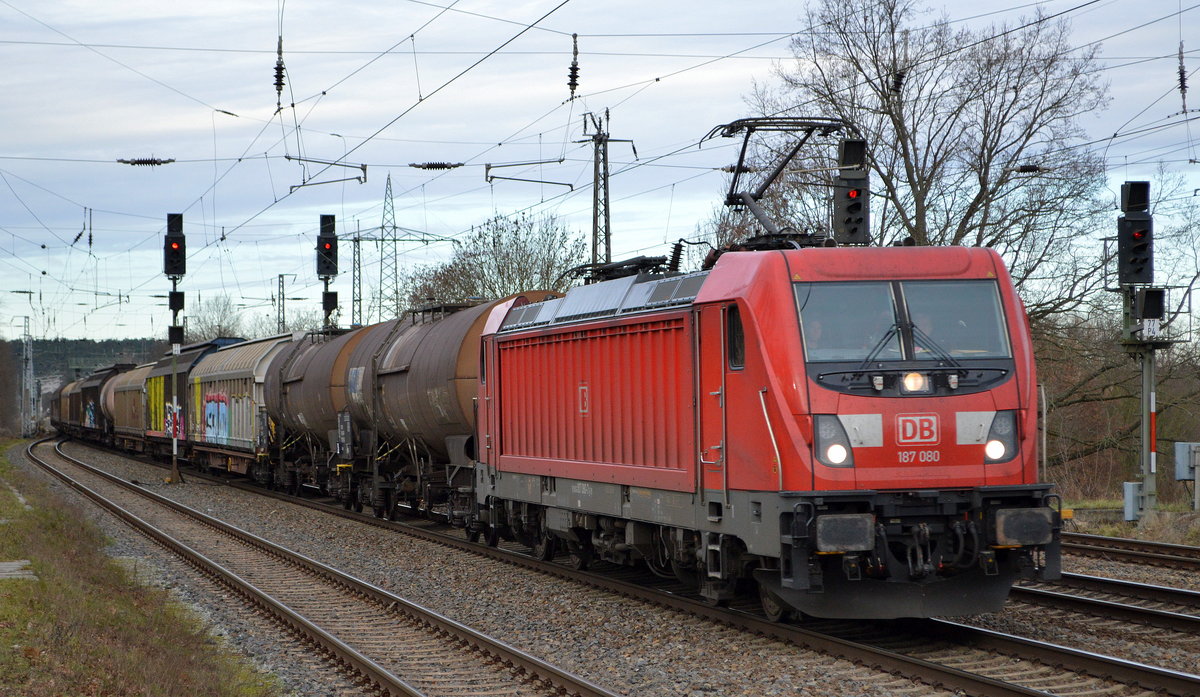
[
  {"x": 1174, "y": 528},
  {"x": 84, "y": 628}
]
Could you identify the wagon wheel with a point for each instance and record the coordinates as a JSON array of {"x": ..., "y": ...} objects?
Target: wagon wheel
[
  {"x": 581, "y": 555},
  {"x": 544, "y": 547},
  {"x": 473, "y": 535},
  {"x": 491, "y": 536},
  {"x": 773, "y": 606}
]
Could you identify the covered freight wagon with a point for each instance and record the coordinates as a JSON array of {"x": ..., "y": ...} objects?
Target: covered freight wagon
[
  {"x": 227, "y": 414},
  {"x": 130, "y": 416},
  {"x": 168, "y": 380}
]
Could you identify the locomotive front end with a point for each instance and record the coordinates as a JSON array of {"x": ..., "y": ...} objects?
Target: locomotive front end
[{"x": 925, "y": 497}]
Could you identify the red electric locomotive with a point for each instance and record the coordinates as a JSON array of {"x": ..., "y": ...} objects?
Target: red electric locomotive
[{"x": 850, "y": 430}]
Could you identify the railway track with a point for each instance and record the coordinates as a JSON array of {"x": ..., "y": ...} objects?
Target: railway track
[
  {"x": 954, "y": 656},
  {"x": 395, "y": 647},
  {"x": 1136, "y": 551},
  {"x": 1156, "y": 606}
]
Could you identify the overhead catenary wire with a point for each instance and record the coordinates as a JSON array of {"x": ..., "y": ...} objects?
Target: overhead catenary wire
[{"x": 265, "y": 156}]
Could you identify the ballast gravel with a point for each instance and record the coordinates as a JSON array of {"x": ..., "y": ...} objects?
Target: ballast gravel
[{"x": 627, "y": 646}]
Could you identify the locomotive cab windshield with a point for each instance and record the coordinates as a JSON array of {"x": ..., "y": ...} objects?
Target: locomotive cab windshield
[{"x": 869, "y": 336}]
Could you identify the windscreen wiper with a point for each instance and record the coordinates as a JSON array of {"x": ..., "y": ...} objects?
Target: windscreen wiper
[
  {"x": 929, "y": 344},
  {"x": 879, "y": 345}
]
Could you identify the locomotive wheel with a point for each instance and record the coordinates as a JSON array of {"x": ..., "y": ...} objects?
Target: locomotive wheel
[
  {"x": 491, "y": 536},
  {"x": 687, "y": 576},
  {"x": 358, "y": 506},
  {"x": 544, "y": 548},
  {"x": 473, "y": 535},
  {"x": 773, "y": 607},
  {"x": 581, "y": 555}
]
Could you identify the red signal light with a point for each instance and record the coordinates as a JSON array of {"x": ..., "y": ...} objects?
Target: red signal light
[
  {"x": 1139, "y": 235},
  {"x": 853, "y": 193},
  {"x": 328, "y": 246},
  {"x": 174, "y": 245}
]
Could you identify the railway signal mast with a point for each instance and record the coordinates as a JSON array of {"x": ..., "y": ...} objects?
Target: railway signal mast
[
  {"x": 851, "y": 193},
  {"x": 327, "y": 265},
  {"x": 1143, "y": 308},
  {"x": 174, "y": 267}
]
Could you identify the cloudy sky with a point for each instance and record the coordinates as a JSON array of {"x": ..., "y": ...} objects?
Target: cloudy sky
[{"x": 389, "y": 83}]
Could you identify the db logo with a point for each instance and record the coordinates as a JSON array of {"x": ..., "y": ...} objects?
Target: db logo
[{"x": 917, "y": 429}]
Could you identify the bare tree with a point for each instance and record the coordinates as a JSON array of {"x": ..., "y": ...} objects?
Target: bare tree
[
  {"x": 502, "y": 256},
  {"x": 298, "y": 319},
  {"x": 213, "y": 317},
  {"x": 973, "y": 135}
]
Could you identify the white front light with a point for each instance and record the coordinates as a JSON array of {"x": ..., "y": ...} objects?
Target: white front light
[
  {"x": 994, "y": 450},
  {"x": 836, "y": 454},
  {"x": 916, "y": 382}
]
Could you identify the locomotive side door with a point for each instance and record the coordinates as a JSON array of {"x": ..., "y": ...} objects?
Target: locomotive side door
[
  {"x": 711, "y": 399},
  {"x": 486, "y": 428}
]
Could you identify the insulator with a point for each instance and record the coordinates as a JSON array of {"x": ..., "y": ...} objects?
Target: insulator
[
  {"x": 279, "y": 65},
  {"x": 435, "y": 165},
  {"x": 146, "y": 161},
  {"x": 898, "y": 80},
  {"x": 573, "y": 77},
  {"x": 573, "y": 72},
  {"x": 676, "y": 256}
]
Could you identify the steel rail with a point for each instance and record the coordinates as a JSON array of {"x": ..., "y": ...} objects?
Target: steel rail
[
  {"x": 1099, "y": 665},
  {"x": 1110, "y": 609},
  {"x": 562, "y": 681},
  {"x": 364, "y": 666},
  {"x": 1143, "y": 591},
  {"x": 1136, "y": 551},
  {"x": 863, "y": 654},
  {"x": 1096, "y": 665}
]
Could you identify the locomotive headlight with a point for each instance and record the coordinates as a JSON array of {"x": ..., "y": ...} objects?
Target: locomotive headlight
[
  {"x": 915, "y": 383},
  {"x": 1001, "y": 444},
  {"x": 832, "y": 445}
]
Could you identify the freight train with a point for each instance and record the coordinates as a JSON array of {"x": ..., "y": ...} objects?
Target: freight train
[{"x": 847, "y": 432}]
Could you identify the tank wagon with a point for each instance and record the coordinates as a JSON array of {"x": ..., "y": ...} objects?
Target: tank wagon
[
  {"x": 852, "y": 431},
  {"x": 383, "y": 416}
]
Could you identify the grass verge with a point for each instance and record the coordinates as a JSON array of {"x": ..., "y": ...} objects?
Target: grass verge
[{"x": 85, "y": 627}]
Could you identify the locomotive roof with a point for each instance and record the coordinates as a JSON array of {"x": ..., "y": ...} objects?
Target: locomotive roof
[
  {"x": 734, "y": 272},
  {"x": 852, "y": 263},
  {"x": 607, "y": 299}
]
